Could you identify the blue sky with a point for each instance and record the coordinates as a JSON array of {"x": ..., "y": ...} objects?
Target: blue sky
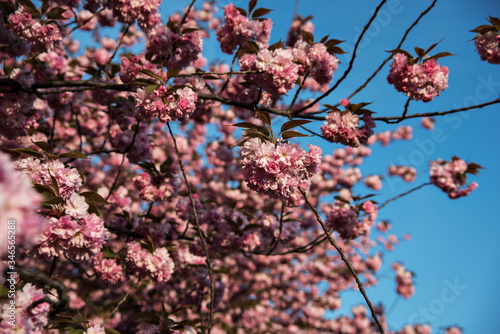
[{"x": 454, "y": 249}]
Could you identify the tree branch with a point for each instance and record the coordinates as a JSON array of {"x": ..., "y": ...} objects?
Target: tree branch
[
  {"x": 200, "y": 232},
  {"x": 350, "y": 62},
  {"x": 346, "y": 261}
]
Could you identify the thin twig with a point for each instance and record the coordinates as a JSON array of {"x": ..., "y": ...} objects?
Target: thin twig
[
  {"x": 350, "y": 62},
  {"x": 116, "y": 177},
  {"x": 277, "y": 241},
  {"x": 200, "y": 232},
  {"x": 360, "y": 88},
  {"x": 346, "y": 261},
  {"x": 403, "y": 194},
  {"x": 184, "y": 18},
  {"x": 223, "y": 87},
  {"x": 120, "y": 303},
  {"x": 436, "y": 113},
  {"x": 405, "y": 111}
]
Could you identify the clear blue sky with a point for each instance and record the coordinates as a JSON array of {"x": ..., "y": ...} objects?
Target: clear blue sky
[{"x": 454, "y": 242}]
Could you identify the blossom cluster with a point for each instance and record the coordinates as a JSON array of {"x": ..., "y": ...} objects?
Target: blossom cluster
[
  {"x": 404, "y": 280},
  {"x": 418, "y": 81},
  {"x": 178, "y": 51},
  {"x": 78, "y": 238},
  {"x": 343, "y": 127},
  {"x": 277, "y": 70},
  {"x": 150, "y": 189},
  {"x": 75, "y": 232},
  {"x": 344, "y": 219},
  {"x": 407, "y": 173},
  {"x": 164, "y": 104},
  {"x": 238, "y": 29},
  {"x": 19, "y": 201},
  {"x": 488, "y": 47},
  {"x": 68, "y": 179},
  {"x": 108, "y": 269},
  {"x": 145, "y": 12},
  {"x": 277, "y": 169},
  {"x": 41, "y": 37},
  {"x": 156, "y": 265},
  {"x": 26, "y": 320},
  {"x": 450, "y": 177},
  {"x": 316, "y": 61}
]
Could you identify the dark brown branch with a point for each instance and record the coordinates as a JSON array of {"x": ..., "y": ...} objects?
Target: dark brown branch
[
  {"x": 404, "y": 194},
  {"x": 200, "y": 232},
  {"x": 351, "y": 62},
  {"x": 344, "y": 258},
  {"x": 405, "y": 111},
  {"x": 435, "y": 113},
  {"x": 360, "y": 88}
]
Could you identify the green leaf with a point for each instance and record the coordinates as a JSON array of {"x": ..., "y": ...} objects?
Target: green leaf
[
  {"x": 292, "y": 134},
  {"x": 332, "y": 108},
  {"x": 108, "y": 330},
  {"x": 420, "y": 52},
  {"x": 54, "y": 184},
  {"x": 432, "y": 47},
  {"x": 293, "y": 123},
  {"x": 149, "y": 55},
  {"x": 253, "y": 46},
  {"x": 482, "y": 29},
  {"x": 342, "y": 199},
  {"x": 308, "y": 37},
  {"x": 6, "y": 8},
  {"x": 172, "y": 73},
  {"x": 41, "y": 188},
  {"x": 45, "y": 6},
  {"x": 148, "y": 166},
  {"x": 335, "y": 50},
  {"x": 56, "y": 13},
  {"x": 240, "y": 143},
  {"x": 251, "y": 5},
  {"x": 54, "y": 200},
  {"x": 30, "y": 7},
  {"x": 182, "y": 307},
  {"x": 324, "y": 39},
  {"x": 108, "y": 253},
  {"x": 27, "y": 151},
  {"x": 277, "y": 45},
  {"x": 74, "y": 155},
  {"x": 91, "y": 197},
  {"x": 242, "y": 11},
  {"x": 41, "y": 144},
  {"x": 245, "y": 125},
  {"x": 439, "y": 55},
  {"x": 143, "y": 82},
  {"x": 406, "y": 53},
  {"x": 149, "y": 318},
  {"x": 95, "y": 209},
  {"x": 256, "y": 134},
  {"x": 165, "y": 166},
  {"x": 495, "y": 21},
  {"x": 151, "y": 74},
  {"x": 252, "y": 227},
  {"x": 333, "y": 42},
  {"x": 265, "y": 117},
  {"x": 260, "y": 12},
  {"x": 151, "y": 88},
  {"x": 189, "y": 30},
  {"x": 473, "y": 168}
]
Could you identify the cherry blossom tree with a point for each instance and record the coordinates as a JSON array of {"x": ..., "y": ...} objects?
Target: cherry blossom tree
[{"x": 132, "y": 202}]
